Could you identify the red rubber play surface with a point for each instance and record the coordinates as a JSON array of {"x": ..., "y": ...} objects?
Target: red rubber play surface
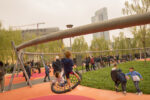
[
  {"x": 62, "y": 97},
  {"x": 20, "y": 77}
]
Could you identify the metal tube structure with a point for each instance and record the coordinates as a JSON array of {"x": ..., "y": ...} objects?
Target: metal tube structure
[
  {"x": 116, "y": 23},
  {"x": 31, "y": 53}
]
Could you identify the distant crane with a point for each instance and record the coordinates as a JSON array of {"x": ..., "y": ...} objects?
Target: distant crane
[{"x": 37, "y": 25}]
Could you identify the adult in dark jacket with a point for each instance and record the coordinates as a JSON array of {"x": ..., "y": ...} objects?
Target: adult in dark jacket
[
  {"x": 28, "y": 70},
  {"x": 2, "y": 76},
  {"x": 57, "y": 65},
  {"x": 118, "y": 77},
  {"x": 87, "y": 62},
  {"x": 38, "y": 64}
]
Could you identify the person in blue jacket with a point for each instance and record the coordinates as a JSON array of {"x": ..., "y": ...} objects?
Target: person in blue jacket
[
  {"x": 47, "y": 71},
  {"x": 136, "y": 77},
  {"x": 68, "y": 66}
]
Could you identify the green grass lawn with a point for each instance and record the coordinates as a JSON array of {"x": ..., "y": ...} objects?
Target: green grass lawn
[
  {"x": 101, "y": 78},
  {"x": 80, "y": 68}
]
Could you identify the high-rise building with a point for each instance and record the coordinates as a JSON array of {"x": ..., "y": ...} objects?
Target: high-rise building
[{"x": 101, "y": 15}]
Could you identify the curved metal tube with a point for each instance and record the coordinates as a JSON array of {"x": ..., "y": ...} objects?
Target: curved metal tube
[{"x": 116, "y": 23}]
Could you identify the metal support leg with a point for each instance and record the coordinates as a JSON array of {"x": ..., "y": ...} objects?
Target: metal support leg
[
  {"x": 12, "y": 77},
  {"x": 22, "y": 66},
  {"x": 43, "y": 60},
  {"x": 140, "y": 54}
]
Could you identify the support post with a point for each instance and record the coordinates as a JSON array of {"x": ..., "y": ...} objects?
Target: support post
[
  {"x": 43, "y": 60},
  {"x": 17, "y": 68},
  {"x": 21, "y": 63},
  {"x": 12, "y": 77},
  {"x": 140, "y": 54}
]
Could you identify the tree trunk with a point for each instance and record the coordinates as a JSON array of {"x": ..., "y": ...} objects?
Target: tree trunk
[{"x": 144, "y": 46}]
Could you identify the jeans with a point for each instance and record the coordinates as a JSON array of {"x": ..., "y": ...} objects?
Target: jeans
[
  {"x": 136, "y": 83},
  {"x": 87, "y": 68},
  {"x": 97, "y": 64},
  {"x": 93, "y": 66},
  {"x": 26, "y": 78},
  {"x": 123, "y": 85},
  {"x": 47, "y": 75}
]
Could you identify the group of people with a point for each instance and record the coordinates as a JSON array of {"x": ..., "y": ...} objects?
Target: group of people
[
  {"x": 103, "y": 61},
  {"x": 99, "y": 61},
  {"x": 64, "y": 67},
  {"x": 120, "y": 78},
  {"x": 30, "y": 67}
]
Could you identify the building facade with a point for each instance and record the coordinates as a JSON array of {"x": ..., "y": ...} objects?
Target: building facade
[
  {"x": 101, "y": 15},
  {"x": 41, "y": 31}
]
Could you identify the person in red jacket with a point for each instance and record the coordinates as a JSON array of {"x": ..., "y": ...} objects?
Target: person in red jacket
[{"x": 92, "y": 63}]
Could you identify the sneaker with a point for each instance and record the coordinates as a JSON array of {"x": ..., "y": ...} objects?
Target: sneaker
[
  {"x": 44, "y": 80},
  {"x": 116, "y": 88},
  {"x": 124, "y": 92},
  {"x": 140, "y": 93}
]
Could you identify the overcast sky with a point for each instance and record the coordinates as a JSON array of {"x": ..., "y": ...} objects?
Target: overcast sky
[{"x": 57, "y": 13}]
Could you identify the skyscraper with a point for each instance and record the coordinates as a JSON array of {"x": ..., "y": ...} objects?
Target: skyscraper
[{"x": 101, "y": 15}]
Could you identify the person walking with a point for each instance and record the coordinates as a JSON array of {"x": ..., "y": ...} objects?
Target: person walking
[
  {"x": 47, "y": 71},
  {"x": 136, "y": 77},
  {"x": 87, "y": 62},
  {"x": 28, "y": 70},
  {"x": 2, "y": 76}
]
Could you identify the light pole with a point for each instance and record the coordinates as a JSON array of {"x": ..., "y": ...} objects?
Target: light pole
[{"x": 70, "y": 26}]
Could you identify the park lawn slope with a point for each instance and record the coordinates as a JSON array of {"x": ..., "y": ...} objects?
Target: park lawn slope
[{"x": 101, "y": 78}]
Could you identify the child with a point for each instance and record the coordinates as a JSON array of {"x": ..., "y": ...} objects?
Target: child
[
  {"x": 118, "y": 77},
  {"x": 135, "y": 77},
  {"x": 68, "y": 67}
]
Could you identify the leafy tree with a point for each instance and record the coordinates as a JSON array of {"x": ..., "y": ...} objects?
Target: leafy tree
[
  {"x": 99, "y": 44},
  {"x": 138, "y": 7},
  {"x": 6, "y": 51},
  {"x": 79, "y": 44},
  {"x": 122, "y": 42}
]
